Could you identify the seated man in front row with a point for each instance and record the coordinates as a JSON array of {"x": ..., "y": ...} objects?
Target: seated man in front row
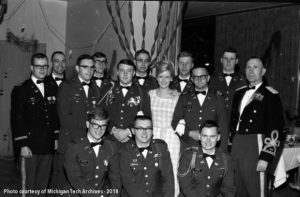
[
  {"x": 145, "y": 164},
  {"x": 206, "y": 170},
  {"x": 92, "y": 163}
]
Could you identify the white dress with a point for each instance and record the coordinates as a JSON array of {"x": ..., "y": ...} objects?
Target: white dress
[{"x": 162, "y": 110}]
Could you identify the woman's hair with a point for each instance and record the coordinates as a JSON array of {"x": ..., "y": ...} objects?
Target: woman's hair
[{"x": 165, "y": 65}]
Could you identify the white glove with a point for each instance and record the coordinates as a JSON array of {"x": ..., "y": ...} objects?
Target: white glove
[{"x": 180, "y": 127}]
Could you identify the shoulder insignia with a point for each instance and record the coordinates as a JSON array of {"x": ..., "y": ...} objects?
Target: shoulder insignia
[
  {"x": 193, "y": 148},
  {"x": 159, "y": 141},
  {"x": 271, "y": 89},
  {"x": 19, "y": 84},
  {"x": 240, "y": 88}
]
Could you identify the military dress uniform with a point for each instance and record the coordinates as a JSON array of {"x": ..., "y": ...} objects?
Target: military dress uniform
[
  {"x": 219, "y": 84},
  {"x": 34, "y": 124},
  {"x": 189, "y": 109},
  {"x": 54, "y": 81},
  {"x": 102, "y": 83},
  {"x": 150, "y": 176},
  {"x": 256, "y": 134},
  {"x": 122, "y": 110},
  {"x": 73, "y": 107},
  {"x": 175, "y": 84},
  {"x": 88, "y": 172},
  {"x": 149, "y": 82},
  {"x": 197, "y": 179}
]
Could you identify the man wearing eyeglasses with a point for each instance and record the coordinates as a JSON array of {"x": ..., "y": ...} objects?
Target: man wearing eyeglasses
[
  {"x": 35, "y": 125},
  {"x": 182, "y": 82},
  {"x": 75, "y": 98},
  {"x": 100, "y": 76},
  {"x": 92, "y": 162},
  {"x": 145, "y": 164},
  {"x": 58, "y": 61},
  {"x": 142, "y": 76},
  {"x": 124, "y": 101},
  {"x": 196, "y": 107}
]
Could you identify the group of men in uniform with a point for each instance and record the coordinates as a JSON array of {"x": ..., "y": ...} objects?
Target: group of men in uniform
[{"x": 95, "y": 124}]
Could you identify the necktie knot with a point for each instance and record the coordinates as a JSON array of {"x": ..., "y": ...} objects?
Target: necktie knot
[
  {"x": 139, "y": 77},
  {"x": 96, "y": 143},
  {"x": 207, "y": 155},
  {"x": 39, "y": 81},
  {"x": 184, "y": 80},
  {"x": 145, "y": 148},
  {"x": 228, "y": 75},
  {"x": 201, "y": 92},
  {"x": 98, "y": 78},
  {"x": 58, "y": 79},
  {"x": 126, "y": 87},
  {"x": 85, "y": 84},
  {"x": 250, "y": 88}
]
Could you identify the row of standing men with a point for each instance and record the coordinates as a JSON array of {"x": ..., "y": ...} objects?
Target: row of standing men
[{"x": 37, "y": 130}]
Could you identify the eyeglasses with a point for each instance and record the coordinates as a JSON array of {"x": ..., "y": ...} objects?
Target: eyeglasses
[
  {"x": 143, "y": 129},
  {"x": 201, "y": 77},
  {"x": 97, "y": 126},
  {"x": 101, "y": 61},
  {"x": 88, "y": 67},
  {"x": 40, "y": 67}
]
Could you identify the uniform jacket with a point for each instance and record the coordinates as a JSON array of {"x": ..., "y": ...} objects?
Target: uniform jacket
[
  {"x": 200, "y": 180},
  {"x": 175, "y": 84},
  {"x": 218, "y": 83},
  {"x": 86, "y": 171},
  {"x": 262, "y": 115},
  {"x": 150, "y": 176},
  {"x": 73, "y": 107},
  {"x": 34, "y": 118},
  {"x": 105, "y": 83},
  {"x": 150, "y": 83},
  {"x": 189, "y": 109},
  {"x": 122, "y": 110}
]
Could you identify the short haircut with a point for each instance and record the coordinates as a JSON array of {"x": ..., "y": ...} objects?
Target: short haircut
[
  {"x": 127, "y": 62},
  {"x": 98, "y": 113},
  {"x": 185, "y": 54},
  {"x": 200, "y": 66},
  {"x": 231, "y": 50},
  {"x": 142, "y": 117},
  {"x": 38, "y": 56},
  {"x": 165, "y": 65},
  {"x": 209, "y": 124},
  {"x": 56, "y": 52},
  {"x": 140, "y": 52},
  {"x": 259, "y": 58},
  {"x": 99, "y": 55},
  {"x": 83, "y": 57}
]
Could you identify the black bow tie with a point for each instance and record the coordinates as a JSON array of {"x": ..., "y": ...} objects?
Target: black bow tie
[
  {"x": 250, "y": 88},
  {"x": 145, "y": 148},
  {"x": 39, "y": 81},
  {"x": 207, "y": 155},
  {"x": 96, "y": 143},
  {"x": 85, "y": 84},
  {"x": 126, "y": 87},
  {"x": 184, "y": 80},
  {"x": 98, "y": 78},
  {"x": 228, "y": 75},
  {"x": 58, "y": 79},
  {"x": 200, "y": 92},
  {"x": 139, "y": 77}
]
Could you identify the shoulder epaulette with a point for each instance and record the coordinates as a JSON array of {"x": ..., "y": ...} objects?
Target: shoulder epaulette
[
  {"x": 159, "y": 141},
  {"x": 240, "y": 88},
  {"x": 193, "y": 148},
  {"x": 271, "y": 89}
]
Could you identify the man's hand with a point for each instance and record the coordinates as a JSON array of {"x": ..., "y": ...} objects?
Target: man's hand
[
  {"x": 194, "y": 134},
  {"x": 26, "y": 152},
  {"x": 261, "y": 166}
]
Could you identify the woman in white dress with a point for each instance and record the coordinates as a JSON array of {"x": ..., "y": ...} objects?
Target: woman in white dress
[{"x": 163, "y": 102}]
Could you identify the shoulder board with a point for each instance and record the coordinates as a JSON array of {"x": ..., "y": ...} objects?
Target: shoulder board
[
  {"x": 241, "y": 88},
  {"x": 158, "y": 141},
  {"x": 193, "y": 148},
  {"x": 78, "y": 140},
  {"x": 19, "y": 84},
  {"x": 272, "y": 90}
]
